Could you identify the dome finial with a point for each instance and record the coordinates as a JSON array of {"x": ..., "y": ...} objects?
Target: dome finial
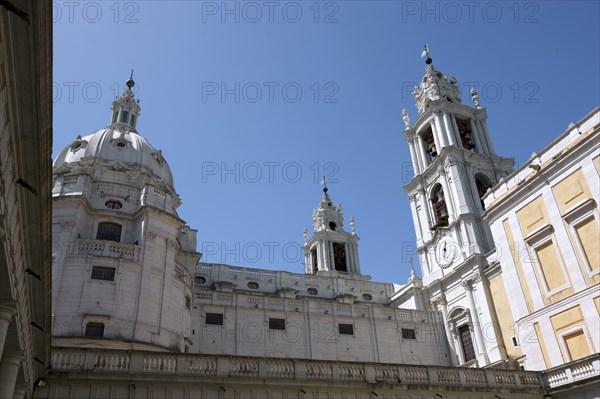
[
  {"x": 130, "y": 83},
  {"x": 425, "y": 54},
  {"x": 324, "y": 183}
]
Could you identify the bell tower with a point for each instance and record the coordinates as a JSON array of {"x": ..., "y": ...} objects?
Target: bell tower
[
  {"x": 331, "y": 249},
  {"x": 454, "y": 165}
]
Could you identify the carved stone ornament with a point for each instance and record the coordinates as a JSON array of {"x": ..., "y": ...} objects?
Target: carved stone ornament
[
  {"x": 406, "y": 119},
  {"x": 436, "y": 86}
]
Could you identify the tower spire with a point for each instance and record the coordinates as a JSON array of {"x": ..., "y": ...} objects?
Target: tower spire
[
  {"x": 324, "y": 183},
  {"x": 425, "y": 54}
]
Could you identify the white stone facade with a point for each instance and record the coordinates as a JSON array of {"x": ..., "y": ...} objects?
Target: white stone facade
[
  {"x": 136, "y": 314},
  {"x": 562, "y": 183},
  {"x": 123, "y": 254},
  {"x": 25, "y": 209}
]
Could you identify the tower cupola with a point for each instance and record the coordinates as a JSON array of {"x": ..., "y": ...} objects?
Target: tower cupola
[{"x": 331, "y": 249}]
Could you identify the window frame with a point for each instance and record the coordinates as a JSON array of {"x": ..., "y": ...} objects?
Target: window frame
[
  {"x": 537, "y": 239},
  {"x": 405, "y": 333},
  {"x": 213, "y": 314},
  {"x": 274, "y": 323},
  {"x": 562, "y": 343},
  {"x": 346, "y": 325},
  {"x": 103, "y": 273},
  {"x": 105, "y": 223},
  {"x": 575, "y": 217},
  {"x": 96, "y": 324}
]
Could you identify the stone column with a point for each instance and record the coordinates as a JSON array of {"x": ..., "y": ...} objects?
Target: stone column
[
  {"x": 479, "y": 141},
  {"x": 413, "y": 156},
  {"x": 7, "y": 311},
  {"x": 486, "y": 133},
  {"x": 477, "y": 334},
  {"x": 441, "y": 303},
  {"x": 356, "y": 260},
  {"x": 448, "y": 198},
  {"x": 349, "y": 265},
  {"x": 456, "y": 131},
  {"x": 9, "y": 368},
  {"x": 450, "y": 129},
  {"x": 19, "y": 392},
  {"x": 483, "y": 137},
  {"x": 423, "y": 152},
  {"x": 439, "y": 132}
]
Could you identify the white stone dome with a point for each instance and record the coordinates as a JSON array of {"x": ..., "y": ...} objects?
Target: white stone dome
[{"x": 114, "y": 145}]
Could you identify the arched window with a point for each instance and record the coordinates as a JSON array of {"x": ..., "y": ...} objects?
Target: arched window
[
  {"x": 124, "y": 116},
  {"x": 109, "y": 231},
  {"x": 430, "y": 144},
  {"x": 94, "y": 329},
  {"x": 464, "y": 130},
  {"x": 483, "y": 184},
  {"x": 438, "y": 202},
  {"x": 461, "y": 320}
]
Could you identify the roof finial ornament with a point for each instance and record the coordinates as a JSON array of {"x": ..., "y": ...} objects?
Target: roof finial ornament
[
  {"x": 406, "y": 118},
  {"x": 425, "y": 54},
  {"x": 130, "y": 83},
  {"x": 324, "y": 183},
  {"x": 475, "y": 97}
]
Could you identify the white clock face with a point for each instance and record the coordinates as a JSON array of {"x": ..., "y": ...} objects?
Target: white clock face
[{"x": 446, "y": 251}]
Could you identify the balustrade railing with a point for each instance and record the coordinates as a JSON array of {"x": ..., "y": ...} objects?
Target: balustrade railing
[
  {"x": 68, "y": 359},
  {"x": 582, "y": 369},
  {"x": 104, "y": 248}
]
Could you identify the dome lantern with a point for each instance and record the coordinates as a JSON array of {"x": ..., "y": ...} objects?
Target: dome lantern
[{"x": 126, "y": 109}]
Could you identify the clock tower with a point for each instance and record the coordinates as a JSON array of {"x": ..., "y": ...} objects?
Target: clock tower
[{"x": 454, "y": 164}]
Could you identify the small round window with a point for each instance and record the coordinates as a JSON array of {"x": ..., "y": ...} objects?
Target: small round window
[
  {"x": 76, "y": 145},
  {"x": 367, "y": 297},
  {"x": 199, "y": 280},
  {"x": 253, "y": 285},
  {"x": 111, "y": 204},
  {"x": 120, "y": 144},
  {"x": 312, "y": 291}
]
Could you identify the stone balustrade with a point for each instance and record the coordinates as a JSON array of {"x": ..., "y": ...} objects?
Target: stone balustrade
[
  {"x": 104, "y": 248},
  {"x": 587, "y": 368},
  {"x": 70, "y": 360}
]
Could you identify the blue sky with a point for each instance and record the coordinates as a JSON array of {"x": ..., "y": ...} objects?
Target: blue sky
[{"x": 253, "y": 102}]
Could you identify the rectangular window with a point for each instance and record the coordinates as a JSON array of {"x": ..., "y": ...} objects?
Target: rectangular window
[
  {"x": 587, "y": 232},
  {"x": 408, "y": 333},
  {"x": 215, "y": 319},
  {"x": 549, "y": 263},
  {"x": 467, "y": 344},
  {"x": 188, "y": 302},
  {"x": 94, "y": 330},
  {"x": 103, "y": 273},
  {"x": 346, "y": 329},
  {"x": 124, "y": 116},
  {"x": 109, "y": 231},
  {"x": 276, "y": 324},
  {"x": 577, "y": 345}
]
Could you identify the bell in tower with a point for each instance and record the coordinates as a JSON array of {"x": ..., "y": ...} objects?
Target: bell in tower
[{"x": 331, "y": 249}]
